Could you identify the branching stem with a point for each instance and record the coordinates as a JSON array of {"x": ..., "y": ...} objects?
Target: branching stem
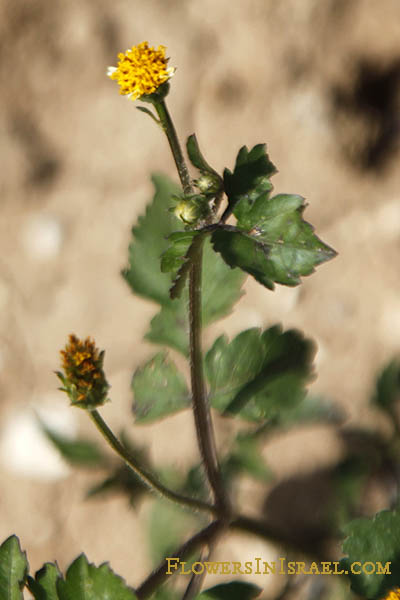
[
  {"x": 238, "y": 522},
  {"x": 163, "y": 572}
]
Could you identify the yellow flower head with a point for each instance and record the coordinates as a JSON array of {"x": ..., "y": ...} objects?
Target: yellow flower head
[
  {"x": 141, "y": 70},
  {"x": 83, "y": 378},
  {"x": 393, "y": 595}
]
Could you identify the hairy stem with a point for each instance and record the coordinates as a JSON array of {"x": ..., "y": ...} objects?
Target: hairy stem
[
  {"x": 201, "y": 410},
  {"x": 146, "y": 477},
  {"x": 209, "y": 536},
  {"x": 196, "y": 581},
  {"x": 168, "y": 127},
  {"x": 238, "y": 522},
  {"x": 166, "y": 569}
]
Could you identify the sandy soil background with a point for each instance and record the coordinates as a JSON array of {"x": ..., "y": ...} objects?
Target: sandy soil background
[{"x": 319, "y": 81}]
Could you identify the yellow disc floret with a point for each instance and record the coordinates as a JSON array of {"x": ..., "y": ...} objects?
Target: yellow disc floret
[
  {"x": 393, "y": 595},
  {"x": 141, "y": 70}
]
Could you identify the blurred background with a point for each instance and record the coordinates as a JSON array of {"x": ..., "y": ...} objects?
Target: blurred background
[{"x": 319, "y": 82}]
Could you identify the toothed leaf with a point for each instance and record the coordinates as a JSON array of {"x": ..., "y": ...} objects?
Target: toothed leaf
[
  {"x": 159, "y": 390},
  {"x": 249, "y": 180},
  {"x": 375, "y": 540},
  {"x": 44, "y": 586},
  {"x": 259, "y": 375},
  {"x": 13, "y": 569},
  {"x": 85, "y": 581}
]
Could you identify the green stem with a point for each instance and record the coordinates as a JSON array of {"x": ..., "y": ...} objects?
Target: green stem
[
  {"x": 240, "y": 522},
  {"x": 165, "y": 570},
  {"x": 168, "y": 127},
  {"x": 146, "y": 477},
  {"x": 201, "y": 409},
  {"x": 209, "y": 536},
  {"x": 197, "y": 579}
]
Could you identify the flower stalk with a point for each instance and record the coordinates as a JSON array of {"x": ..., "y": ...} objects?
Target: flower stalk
[
  {"x": 169, "y": 129},
  {"x": 85, "y": 383},
  {"x": 147, "y": 478}
]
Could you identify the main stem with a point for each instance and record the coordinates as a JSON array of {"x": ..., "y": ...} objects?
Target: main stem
[{"x": 201, "y": 409}]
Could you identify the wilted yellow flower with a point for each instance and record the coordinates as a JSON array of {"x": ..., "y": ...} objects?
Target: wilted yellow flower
[
  {"x": 141, "y": 70},
  {"x": 83, "y": 378}
]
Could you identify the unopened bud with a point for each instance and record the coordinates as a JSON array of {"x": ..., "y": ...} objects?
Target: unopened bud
[
  {"x": 192, "y": 210},
  {"x": 209, "y": 183}
]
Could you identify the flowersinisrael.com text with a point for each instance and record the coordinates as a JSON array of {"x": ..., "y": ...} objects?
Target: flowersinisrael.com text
[{"x": 282, "y": 566}]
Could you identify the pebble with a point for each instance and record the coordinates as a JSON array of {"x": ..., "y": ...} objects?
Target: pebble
[
  {"x": 24, "y": 448},
  {"x": 42, "y": 237}
]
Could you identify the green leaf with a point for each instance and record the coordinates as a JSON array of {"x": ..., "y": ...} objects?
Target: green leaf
[
  {"x": 243, "y": 251},
  {"x": 221, "y": 286},
  {"x": 375, "y": 540},
  {"x": 387, "y": 390},
  {"x": 197, "y": 159},
  {"x": 195, "y": 483},
  {"x": 179, "y": 258},
  {"x": 293, "y": 248},
  {"x": 44, "y": 586},
  {"x": 159, "y": 390},
  {"x": 85, "y": 581},
  {"x": 229, "y": 366},
  {"x": 259, "y": 375},
  {"x": 249, "y": 180},
  {"x": 148, "y": 112},
  {"x": 312, "y": 409},
  {"x": 349, "y": 478},
  {"x": 174, "y": 256},
  {"x": 170, "y": 326},
  {"x": 221, "y": 289},
  {"x": 246, "y": 457},
  {"x": 78, "y": 452},
  {"x": 13, "y": 569},
  {"x": 122, "y": 479},
  {"x": 234, "y": 590},
  {"x": 149, "y": 242},
  {"x": 279, "y": 245},
  {"x": 272, "y": 242},
  {"x": 168, "y": 525}
]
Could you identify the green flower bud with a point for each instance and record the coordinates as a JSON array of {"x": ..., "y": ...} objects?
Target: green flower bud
[
  {"x": 192, "y": 210},
  {"x": 208, "y": 183}
]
